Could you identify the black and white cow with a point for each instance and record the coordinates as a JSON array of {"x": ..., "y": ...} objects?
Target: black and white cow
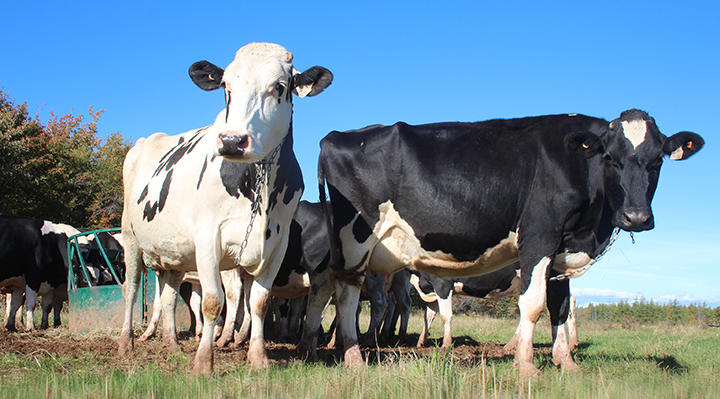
[
  {"x": 190, "y": 199},
  {"x": 33, "y": 255},
  {"x": 464, "y": 199}
]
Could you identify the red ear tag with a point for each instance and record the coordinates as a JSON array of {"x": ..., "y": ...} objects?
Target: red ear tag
[{"x": 689, "y": 144}]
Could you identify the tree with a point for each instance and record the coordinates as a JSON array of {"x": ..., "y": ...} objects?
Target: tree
[{"x": 60, "y": 172}]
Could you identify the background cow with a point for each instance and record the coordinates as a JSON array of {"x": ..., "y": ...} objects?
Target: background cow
[
  {"x": 463, "y": 199},
  {"x": 33, "y": 259},
  {"x": 219, "y": 197}
]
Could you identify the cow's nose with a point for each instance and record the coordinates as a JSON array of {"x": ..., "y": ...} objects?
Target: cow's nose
[
  {"x": 232, "y": 144},
  {"x": 637, "y": 219}
]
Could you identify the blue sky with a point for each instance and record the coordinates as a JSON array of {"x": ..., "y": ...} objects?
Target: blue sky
[{"x": 416, "y": 62}]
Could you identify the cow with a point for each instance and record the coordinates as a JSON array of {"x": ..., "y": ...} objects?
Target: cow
[
  {"x": 33, "y": 255},
  {"x": 462, "y": 199},
  {"x": 221, "y": 196}
]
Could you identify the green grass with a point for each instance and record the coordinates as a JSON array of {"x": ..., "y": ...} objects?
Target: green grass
[{"x": 639, "y": 362}]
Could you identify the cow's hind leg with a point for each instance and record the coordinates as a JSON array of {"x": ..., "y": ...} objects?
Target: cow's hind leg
[
  {"x": 347, "y": 297},
  {"x": 233, "y": 287},
  {"x": 157, "y": 312},
  {"x": 321, "y": 289},
  {"x": 170, "y": 281}
]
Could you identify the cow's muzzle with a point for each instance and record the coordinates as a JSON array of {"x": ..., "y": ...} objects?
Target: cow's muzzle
[
  {"x": 635, "y": 219},
  {"x": 232, "y": 145}
]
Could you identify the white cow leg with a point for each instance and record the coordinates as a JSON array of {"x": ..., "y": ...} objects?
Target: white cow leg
[
  {"x": 446, "y": 315},
  {"x": 233, "y": 287},
  {"x": 431, "y": 309},
  {"x": 531, "y": 304},
  {"x": 347, "y": 299},
  {"x": 30, "y": 301},
  {"x": 196, "y": 306},
  {"x": 259, "y": 299},
  {"x": 157, "y": 311},
  {"x": 512, "y": 344},
  {"x": 133, "y": 272},
  {"x": 170, "y": 281},
  {"x": 572, "y": 326},
  {"x": 14, "y": 304},
  {"x": 212, "y": 304}
]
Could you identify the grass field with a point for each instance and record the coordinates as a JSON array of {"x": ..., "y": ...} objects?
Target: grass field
[{"x": 615, "y": 361}]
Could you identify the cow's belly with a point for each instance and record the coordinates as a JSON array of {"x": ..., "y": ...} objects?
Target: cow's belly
[{"x": 397, "y": 247}]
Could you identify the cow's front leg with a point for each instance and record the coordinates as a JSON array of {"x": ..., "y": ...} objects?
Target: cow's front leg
[
  {"x": 243, "y": 332},
  {"x": 558, "y": 303},
  {"x": 259, "y": 299},
  {"x": 212, "y": 304},
  {"x": 347, "y": 297},
  {"x": 531, "y": 303}
]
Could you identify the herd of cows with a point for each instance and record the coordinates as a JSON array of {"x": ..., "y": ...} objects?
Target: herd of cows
[{"x": 488, "y": 209}]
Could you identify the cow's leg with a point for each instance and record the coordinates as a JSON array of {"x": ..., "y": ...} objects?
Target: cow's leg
[
  {"x": 243, "y": 333},
  {"x": 558, "y": 303},
  {"x": 388, "y": 324},
  {"x": 347, "y": 298},
  {"x": 233, "y": 286},
  {"x": 321, "y": 289},
  {"x": 30, "y": 301},
  {"x": 46, "y": 305},
  {"x": 297, "y": 309},
  {"x": 157, "y": 311},
  {"x": 403, "y": 305},
  {"x": 186, "y": 294},
  {"x": 512, "y": 344},
  {"x": 281, "y": 309},
  {"x": 572, "y": 326},
  {"x": 378, "y": 305},
  {"x": 446, "y": 314},
  {"x": 212, "y": 304},
  {"x": 196, "y": 307},
  {"x": 133, "y": 272},
  {"x": 259, "y": 298},
  {"x": 431, "y": 309},
  {"x": 15, "y": 298},
  {"x": 8, "y": 302},
  {"x": 59, "y": 297},
  {"x": 531, "y": 303},
  {"x": 170, "y": 281}
]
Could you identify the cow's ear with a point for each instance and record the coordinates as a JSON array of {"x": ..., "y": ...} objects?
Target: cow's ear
[
  {"x": 311, "y": 82},
  {"x": 682, "y": 145},
  {"x": 584, "y": 143},
  {"x": 206, "y": 75}
]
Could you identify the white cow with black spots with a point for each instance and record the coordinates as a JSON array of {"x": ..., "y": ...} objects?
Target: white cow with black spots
[{"x": 221, "y": 196}]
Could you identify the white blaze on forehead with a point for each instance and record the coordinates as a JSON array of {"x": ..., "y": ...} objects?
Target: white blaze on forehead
[{"x": 635, "y": 131}]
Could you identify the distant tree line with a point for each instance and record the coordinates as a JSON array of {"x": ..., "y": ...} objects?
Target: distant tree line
[
  {"x": 641, "y": 311},
  {"x": 625, "y": 313},
  {"x": 60, "y": 171}
]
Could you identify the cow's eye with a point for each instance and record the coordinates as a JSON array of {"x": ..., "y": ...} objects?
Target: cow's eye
[
  {"x": 610, "y": 161},
  {"x": 280, "y": 87}
]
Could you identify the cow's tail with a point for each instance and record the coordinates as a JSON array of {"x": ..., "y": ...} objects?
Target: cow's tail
[{"x": 354, "y": 275}]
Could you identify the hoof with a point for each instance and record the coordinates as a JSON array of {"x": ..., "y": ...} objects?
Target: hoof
[{"x": 353, "y": 358}]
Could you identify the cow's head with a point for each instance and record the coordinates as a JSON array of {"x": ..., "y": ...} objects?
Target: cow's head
[
  {"x": 258, "y": 98},
  {"x": 632, "y": 150}
]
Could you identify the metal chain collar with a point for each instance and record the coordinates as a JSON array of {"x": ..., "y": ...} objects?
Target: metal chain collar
[
  {"x": 580, "y": 271},
  {"x": 263, "y": 168}
]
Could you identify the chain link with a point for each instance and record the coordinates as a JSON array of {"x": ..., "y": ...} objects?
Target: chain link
[
  {"x": 263, "y": 169},
  {"x": 580, "y": 271}
]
